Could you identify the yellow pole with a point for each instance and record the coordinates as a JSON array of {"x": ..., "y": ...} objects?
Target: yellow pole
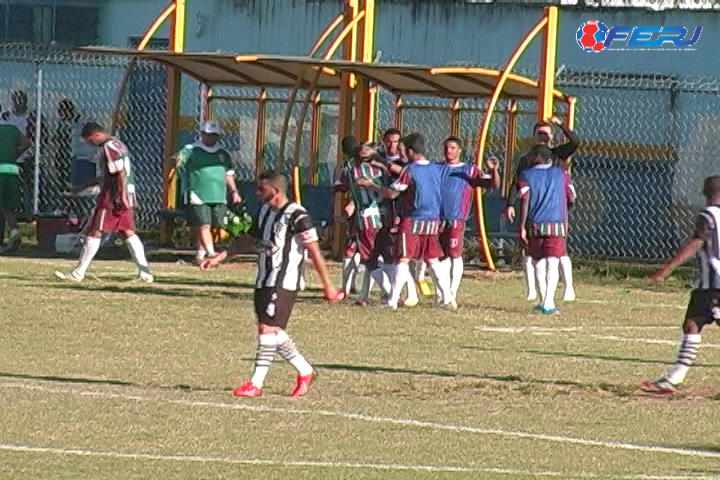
[
  {"x": 133, "y": 62},
  {"x": 260, "y": 133},
  {"x": 303, "y": 112},
  {"x": 398, "y": 116},
  {"x": 510, "y": 145},
  {"x": 366, "y": 95},
  {"x": 479, "y": 214},
  {"x": 547, "y": 64},
  {"x": 314, "y": 139},
  {"x": 172, "y": 116},
  {"x": 455, "y": 118},
  {"x": 344, "y": 127}
]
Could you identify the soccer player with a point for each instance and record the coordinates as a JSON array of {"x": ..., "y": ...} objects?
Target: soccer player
[
  {"x": 457, "y": 195},
  {"x": 286, "y": 233},
  {"x": 419, "y": 192},
  {"x": 543, "y": 136},
  {"x": 370, "y": 217},
  {"x": 209, "y": 175},
  {"x": 351, "y": 257},
  {"x": 545, "y": 192},
  {"x": 115, "y": 208},
  {"x": 12, "y": 143},
  {"x": 394, "y": 160},
  {"x": 704, "y": 306}
]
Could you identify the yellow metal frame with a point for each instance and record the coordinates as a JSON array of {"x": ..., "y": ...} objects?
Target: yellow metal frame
[
  {"x": 510, "y": 145},
  {"x": 570, "y": 119}
]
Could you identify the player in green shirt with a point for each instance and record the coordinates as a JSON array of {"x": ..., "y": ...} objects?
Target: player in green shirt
[
  {"x": 12, "y": 144},
  {"x": 208, "y": 175}
]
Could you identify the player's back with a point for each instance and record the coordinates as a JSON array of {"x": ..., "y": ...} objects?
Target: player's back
[
  {"x": 548, "y": 194},
  {"x": 428, "y": 180}
]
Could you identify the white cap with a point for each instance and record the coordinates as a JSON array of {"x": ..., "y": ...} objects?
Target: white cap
[{"x": 211, "y": 127}]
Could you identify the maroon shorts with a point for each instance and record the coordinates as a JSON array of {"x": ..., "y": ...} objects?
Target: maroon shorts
[
  {"x": 451, "y": 239},
  {"x": 418, "y": 247},
  {"x": 112, "y": 220},
  {"x": 373, "y": 243},
  {"x": 545, "y": 247}
]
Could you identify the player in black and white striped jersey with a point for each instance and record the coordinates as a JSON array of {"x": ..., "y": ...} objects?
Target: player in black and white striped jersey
[
  {"x": 286, "y": 233},
  {"x": 704, "y": 306}
]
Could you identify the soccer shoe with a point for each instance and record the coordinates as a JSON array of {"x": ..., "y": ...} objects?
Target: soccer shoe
[
  {"x": 661, "y": 386},
  {"x": 451, "y": 305},
  {"x": 409, "y": 302},
  {"x": 531, "y": 297},
  {"x": 424, "y": 288},
  {"x": 361, "y": 303},
  {"x": 14, "y": 242},
  {"x": 537, "y": 308},
  {"x": 248, "y": 389},
  {"x": 302, "y": 385},
  {"x": 73, "y": 276},
  {"x": 549, "y": 311},
  {"x": 145, "y": 276},
  {"x": 569, "y": 295}
]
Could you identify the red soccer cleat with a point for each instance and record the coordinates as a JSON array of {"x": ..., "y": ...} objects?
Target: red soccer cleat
[
  {"x": 361, "y": 303},
  {"x": 658, "y": 387},
  {"x": 303, "y": 383},
  {"x": 248, "y": 389}
]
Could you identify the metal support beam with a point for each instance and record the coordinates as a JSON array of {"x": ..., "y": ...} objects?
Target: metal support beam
[{"x": 547, "y": 64}]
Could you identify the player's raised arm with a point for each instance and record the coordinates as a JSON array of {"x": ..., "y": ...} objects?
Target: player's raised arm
[
  {"x": 394, "y": 190},
  {"x": 565, "y": 151},
  {"x": 481, "y": 180}
]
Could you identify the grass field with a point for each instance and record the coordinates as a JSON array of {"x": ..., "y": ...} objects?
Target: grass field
[{"x": 110, "y": 379}]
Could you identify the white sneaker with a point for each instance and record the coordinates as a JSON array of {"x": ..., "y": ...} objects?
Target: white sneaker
[
  {"x": 145, "y": 276},
  {"x": 531, "y": 297},
  {"x": 73, "y": 276}
]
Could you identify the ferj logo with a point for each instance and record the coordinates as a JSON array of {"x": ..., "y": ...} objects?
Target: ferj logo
[{"x": 595, "y": 36}]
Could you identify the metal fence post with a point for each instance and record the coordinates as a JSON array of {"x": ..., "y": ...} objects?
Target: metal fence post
[{"x": 38, "y": 139}]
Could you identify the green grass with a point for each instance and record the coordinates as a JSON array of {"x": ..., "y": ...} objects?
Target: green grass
[{"x": 96, "y": 375}]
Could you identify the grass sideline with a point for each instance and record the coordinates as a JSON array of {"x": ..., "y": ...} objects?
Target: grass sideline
[{"x": 114, "y": 379}]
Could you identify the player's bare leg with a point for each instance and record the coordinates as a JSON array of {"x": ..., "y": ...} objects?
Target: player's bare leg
[
  {"x": 349, "y": 272},
  {"x": 137, "y": 252},
  {"x": 206, "y": 240},
  {"x": 688, "y": 346},
  {"x": 530, "y": 279},
  {"x": 401, "y": 277},
  {"x": 90, "y": 249},
  {"x": 567, "y": 275}
]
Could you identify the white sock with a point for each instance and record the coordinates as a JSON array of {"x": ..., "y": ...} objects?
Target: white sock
[
  {"x": 530, "y": 281},
  {"x": 210, "y": 249},
  {"x": 567, "y": 275},
  {"x": 541, "y": 277},
  {"x": 401, "y": 277},
  {"x": 367, "y": 282},
  {"x": 456, "y": 271},
  {"x": 553, "y": 278},
  {"x": 266, "y": 347},
  {"x": 389, "y": 276},
  {"x": 347, "y": 274},
  {"x": 411, "y": 288},
  {"x": 379, "y": 276},
  {"x": 200, "y": 254},
  {"x": 353, "y": 275},
  {"x": 14, "y": 232},
  {"x": 446, "y": 266},
  {"x": 287, "y": 349},
  {"x": 92, "y": 245},
  {"x": 687, "y": 352},
  {"x": 137, "y": 252},
  {"x": 420, "y": 268},
  {"x": 441, "y": 279}
]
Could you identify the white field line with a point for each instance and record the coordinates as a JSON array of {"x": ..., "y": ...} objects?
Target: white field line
[
  {"x": 582, "y": 333},
  {"x": 351, "y": 465},
  {"x": 407, "y": 422},
  {"x": 314, "y": 463}
]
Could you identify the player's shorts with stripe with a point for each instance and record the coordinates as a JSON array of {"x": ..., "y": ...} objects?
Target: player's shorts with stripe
[
  {"x": 274, "y": 305},
  {"x": 373, "y": 243},
  {"x": 452, "y": 238},
  {"x": 112, "y": 220},
  {"x": 545, "y": 247},
  {"x": 705, "y": 305}
]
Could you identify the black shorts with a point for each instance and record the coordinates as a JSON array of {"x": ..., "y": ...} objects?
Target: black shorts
[
  {"x": 704, "y": 304},
  {"x": 273, "y": 306}
]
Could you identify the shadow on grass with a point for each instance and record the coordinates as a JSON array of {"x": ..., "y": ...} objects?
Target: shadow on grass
[
  {"x": 444, "y": 374},
  {"x": 97, "y": 381}
]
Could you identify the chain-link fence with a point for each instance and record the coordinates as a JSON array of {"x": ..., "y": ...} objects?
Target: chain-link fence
[{"x": 647, "y": 141}]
